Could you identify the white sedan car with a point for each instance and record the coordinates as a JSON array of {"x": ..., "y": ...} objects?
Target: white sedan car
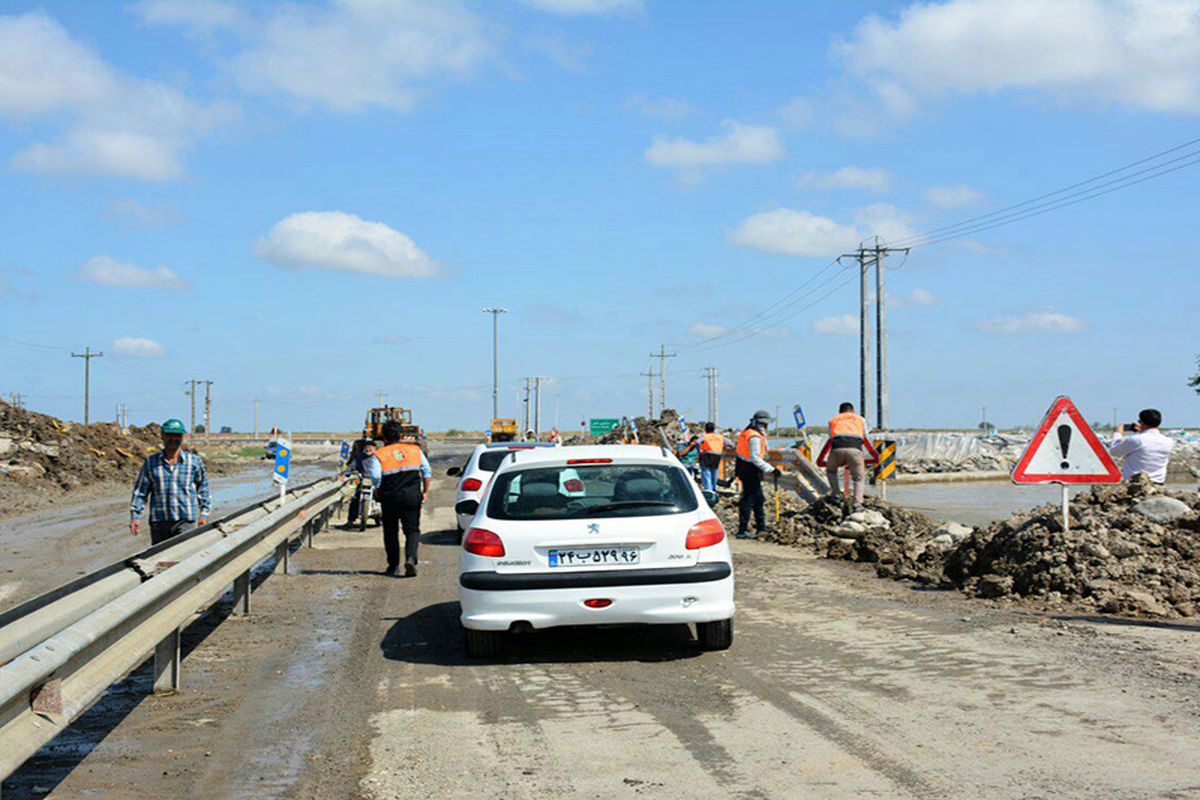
[
  {"x": 475, "y": 474},
  {"x": 633, "y": 541}
]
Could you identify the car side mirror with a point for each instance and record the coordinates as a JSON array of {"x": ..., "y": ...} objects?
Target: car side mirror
[{"x": 454, "y": 472}]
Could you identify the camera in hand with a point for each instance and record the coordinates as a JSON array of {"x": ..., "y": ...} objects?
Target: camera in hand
[{"x": 1131, "y": 426}]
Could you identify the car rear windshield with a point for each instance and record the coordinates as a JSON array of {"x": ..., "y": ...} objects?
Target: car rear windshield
[
  {"x": 490, "y": 459},
  {"x": 590, "y": 491}
]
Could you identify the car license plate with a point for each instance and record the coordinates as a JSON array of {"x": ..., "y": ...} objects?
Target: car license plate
[{"x": 593, "y": 556}]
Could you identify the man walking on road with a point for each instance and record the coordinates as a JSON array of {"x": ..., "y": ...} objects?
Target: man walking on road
[
  {"x": 402, "y": 473},
  {"x": 847, "y": 435},
  {"x": 751, "y": 447},
  {"x": 175, "y": 483}
]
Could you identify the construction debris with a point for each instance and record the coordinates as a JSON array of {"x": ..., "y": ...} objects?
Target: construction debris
[{"x": 1131, "y": 549}]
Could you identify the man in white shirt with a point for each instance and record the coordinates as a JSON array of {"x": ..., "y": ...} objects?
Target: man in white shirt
[{"x": 1146, "y": 449}]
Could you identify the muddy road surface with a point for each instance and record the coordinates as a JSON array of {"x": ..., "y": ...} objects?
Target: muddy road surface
[{"x": 345, "y": 683}]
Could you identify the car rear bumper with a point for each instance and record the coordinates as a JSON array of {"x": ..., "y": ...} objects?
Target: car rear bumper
[
  {"x": 704, "y": 600},
  {"x": 584, "y": 579}
]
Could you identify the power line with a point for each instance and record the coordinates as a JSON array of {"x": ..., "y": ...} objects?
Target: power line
[{"x": 1061, "y": 198}]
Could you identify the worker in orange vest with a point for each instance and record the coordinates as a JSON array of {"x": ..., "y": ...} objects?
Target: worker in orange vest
[
  {"x": 751, "y": 466},
  {"x": 712, "y": 446},
  {"x": 847, "y": 435},
  {"x": 402, "y": 473}
]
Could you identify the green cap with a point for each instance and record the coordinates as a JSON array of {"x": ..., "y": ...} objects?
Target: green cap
[{"x": 173, "y": 426}]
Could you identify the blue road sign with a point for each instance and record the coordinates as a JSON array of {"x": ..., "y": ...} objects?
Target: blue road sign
[
  {"x": 345, "y": 450},
  {"x": 798, "y": 415},
  {"x": 283, "y": 460}
]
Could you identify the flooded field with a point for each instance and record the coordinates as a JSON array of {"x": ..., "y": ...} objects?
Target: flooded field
[{"x": 977, "y": 502}]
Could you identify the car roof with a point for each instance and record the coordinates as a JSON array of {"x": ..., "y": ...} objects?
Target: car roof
[
  {"x": 500, "y": 445},
  {"x": 639, "y": 453}
]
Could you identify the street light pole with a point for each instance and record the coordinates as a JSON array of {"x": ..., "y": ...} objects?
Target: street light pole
[{"x": 495, "y": 312}]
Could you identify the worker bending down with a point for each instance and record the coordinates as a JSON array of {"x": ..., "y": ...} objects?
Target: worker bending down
[{"x": 847, "y": 435}]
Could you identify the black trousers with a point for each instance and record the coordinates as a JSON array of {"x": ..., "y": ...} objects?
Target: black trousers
[
  {"x": 397, "y": 515},
  {"x": 352, "y": 514},
  {"x": 752, "y": 497},
  {"x": 163, "y": 529}
]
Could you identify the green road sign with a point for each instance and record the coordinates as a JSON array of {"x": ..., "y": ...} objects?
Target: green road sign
[{"x": 600, "y": 427}]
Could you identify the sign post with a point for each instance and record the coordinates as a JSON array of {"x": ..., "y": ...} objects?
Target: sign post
[
  {"x": 1064, "y": 450},
  {"x": 283, "y": 461},
  {"x": 345, "y": 452}
]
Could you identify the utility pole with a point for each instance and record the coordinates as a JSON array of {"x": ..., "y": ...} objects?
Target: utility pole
[
  {"x": 537, "y": 405},
  {"x": 650, "y": 392},
  {"x": 191, "y": 392},
  {"x": 87, "y": 355},
  {"x": 124, "y": 419},
  {"x": 525, "y": 419},
  {"x": 865, "y": 256},
  {"x": 255, "y": 402},
  {"x": 776, "y": 420},
  {"x": 662, "y": 355},
  {"x": 380, "y": 398},
  {"x": 496, "y": 312},
  {"x": 16, "y": 399},
  {"x": 711, "y": 374},
  {"x": 207, "y": 409}
]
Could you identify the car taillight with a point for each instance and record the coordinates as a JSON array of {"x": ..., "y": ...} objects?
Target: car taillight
[
  {"x": 573, "y": 485},
  {"x": 705, "y": 534},
  {"x": 598, "y": 602},
  {"x": 589, "y": 461},
  {"x": 471, "y": 485},
  {"x": 483, "y": 542}
]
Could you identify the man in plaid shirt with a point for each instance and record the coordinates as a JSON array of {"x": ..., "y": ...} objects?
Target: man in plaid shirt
[{"x": 176, "y": 484}]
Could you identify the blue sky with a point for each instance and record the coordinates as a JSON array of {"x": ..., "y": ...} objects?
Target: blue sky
[{"x": 310, "y": 203}]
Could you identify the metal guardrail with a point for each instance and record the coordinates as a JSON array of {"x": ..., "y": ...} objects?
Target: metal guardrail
[{"x": 71, "y": 644}]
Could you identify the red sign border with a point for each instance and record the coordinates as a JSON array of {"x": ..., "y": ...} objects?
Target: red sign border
[{"x": 1063, "y": 403}]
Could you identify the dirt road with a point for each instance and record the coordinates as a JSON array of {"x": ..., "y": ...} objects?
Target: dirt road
[{"x": 346, "y": 683}]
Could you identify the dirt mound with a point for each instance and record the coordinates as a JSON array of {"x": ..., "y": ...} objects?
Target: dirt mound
[
  {"x": 651, "y": 431},
  {"x": 1132, "y": 548},
  {"x": 900, "y": 543}
]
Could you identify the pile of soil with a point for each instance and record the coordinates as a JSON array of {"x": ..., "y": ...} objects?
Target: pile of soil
[
  {"x": 1130, "y": 549},
  {"x": 648, "y": 429},
  {"x": 36, "y": 449},
  {"x": 42, "y": 458}
]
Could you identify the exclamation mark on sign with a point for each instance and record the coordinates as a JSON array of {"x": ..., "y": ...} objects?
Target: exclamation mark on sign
[{"x": 1064, "y": 443}]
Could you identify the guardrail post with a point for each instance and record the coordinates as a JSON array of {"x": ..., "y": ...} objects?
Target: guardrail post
[
  {"x": 241, "y": 593},
  {"x": 166, "y": 664},
  {"x": 308, "y": 531},
  {"x": 282, "y": 557}
]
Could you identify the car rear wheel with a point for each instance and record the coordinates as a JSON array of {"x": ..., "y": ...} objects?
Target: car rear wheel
[
  {"x": 483, "y": 644},
  {"x": 716, "y": 635}
]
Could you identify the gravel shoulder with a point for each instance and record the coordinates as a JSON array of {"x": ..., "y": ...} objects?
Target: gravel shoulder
[{"x": 345, "y": 683}]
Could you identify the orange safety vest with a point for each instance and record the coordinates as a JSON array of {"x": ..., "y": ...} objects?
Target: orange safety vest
[
  {"x": 743, "y": 444},
  {"x": 399, "y": 457},
  {"x": 712, "y": 443},
  {"x": 848, "y": 424},
  {"x": 401, "y": 463}
]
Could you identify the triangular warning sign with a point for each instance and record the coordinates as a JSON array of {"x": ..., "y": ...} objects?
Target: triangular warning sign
[{"x": 1065, "y": 450}]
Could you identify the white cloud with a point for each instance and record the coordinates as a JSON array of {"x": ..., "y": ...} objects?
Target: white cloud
[
  {"x": 578, "y": 7},
  {"x": 802, "y": 233},
  {"x": 869, "y": 178},
  {"x": 340, "y": 241},
  {"x": 660, "y": 107},
  {"x": 796, "y": 233},
  {"x": 354, "y": 54},
  {"x": 838, "y": 325},
  {"x": 1045, "y": 320},
  {"x": 952, "y": 196},
  {"x": 139, "y": 215},
  {"x": 796, "y": 113},
  {"x": 200, "y": 15},
  {"x": 706, "y": 330},
  {"x": 108, "y": 271},
  {"x": 740, "y": 144},
  {"x": 132, "y": 347},
  {"x": 1143, "y": 54},
  {"x": 916, "y": 298},
  {"x": 111, "y": 124}
]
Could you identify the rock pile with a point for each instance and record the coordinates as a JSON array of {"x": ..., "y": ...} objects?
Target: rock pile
[{"x": 1130, "y": 549}]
